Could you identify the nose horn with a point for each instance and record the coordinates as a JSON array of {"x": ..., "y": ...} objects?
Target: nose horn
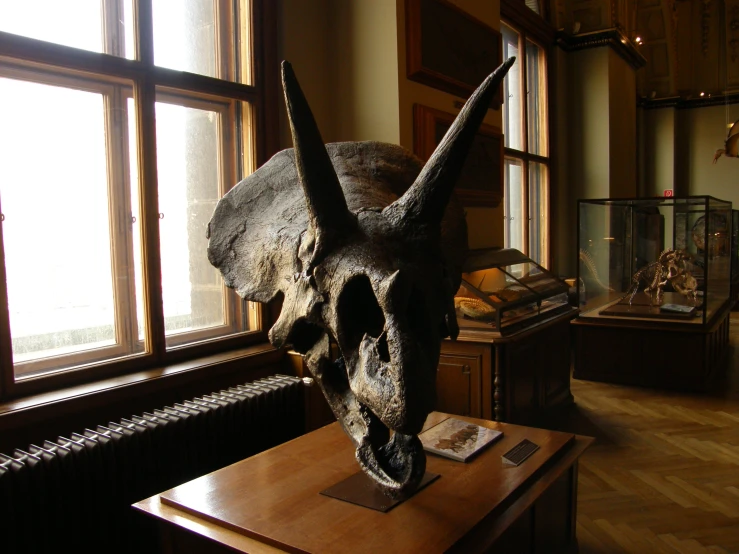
[
  {"x": 426, "y": 200},
  {"x": 328, "y": 213}
]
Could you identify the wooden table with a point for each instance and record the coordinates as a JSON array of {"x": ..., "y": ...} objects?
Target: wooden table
[{"x": 271, "y": 502}]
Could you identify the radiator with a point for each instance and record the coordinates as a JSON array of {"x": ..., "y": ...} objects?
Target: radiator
[{"x": 74, "y": 493}]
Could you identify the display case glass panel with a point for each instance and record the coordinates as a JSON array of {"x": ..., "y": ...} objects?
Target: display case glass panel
[
  {"x": 504, "y": 291},
  {"x": 664, "y": 259}
]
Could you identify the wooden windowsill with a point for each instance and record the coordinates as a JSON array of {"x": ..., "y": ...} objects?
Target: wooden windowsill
[{"x": 79, "y": 397}]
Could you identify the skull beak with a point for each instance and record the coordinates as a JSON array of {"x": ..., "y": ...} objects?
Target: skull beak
[
  {"x": 399, "y": 465},
  {"x": 396, "y": 464}
]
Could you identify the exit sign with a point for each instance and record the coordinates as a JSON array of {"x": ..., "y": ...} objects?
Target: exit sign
[{"x": 669, "y": 193}]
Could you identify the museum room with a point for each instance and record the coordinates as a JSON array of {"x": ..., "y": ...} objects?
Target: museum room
[{"x": 484, "y": 301}]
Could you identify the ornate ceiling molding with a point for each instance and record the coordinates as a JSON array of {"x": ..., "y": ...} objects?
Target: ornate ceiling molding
[
  {"x": 688, "y": 103},
  {"x": 607, "y": 37}
]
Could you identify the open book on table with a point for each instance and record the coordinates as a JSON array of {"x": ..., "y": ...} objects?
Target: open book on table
[{"x": 457, "y": 439}]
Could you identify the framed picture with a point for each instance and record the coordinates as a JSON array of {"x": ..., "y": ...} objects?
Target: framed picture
[
  {"x": 448, "y": 49},
  {"x": 481, "y": 180}
]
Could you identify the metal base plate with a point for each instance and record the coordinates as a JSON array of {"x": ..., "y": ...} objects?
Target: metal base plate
[{"x": 361, "y": 490}]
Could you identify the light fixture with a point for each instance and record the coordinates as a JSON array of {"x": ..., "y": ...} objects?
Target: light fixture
[
  {"x": 638, "y": 40},
  {"x": 703, "y": 93}
]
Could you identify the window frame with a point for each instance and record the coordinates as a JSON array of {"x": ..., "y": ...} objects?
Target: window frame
[
  {"x": 532, "y": 28},
  {"x": 260, "y": 98},
  {"x": 228, "y": 168}
]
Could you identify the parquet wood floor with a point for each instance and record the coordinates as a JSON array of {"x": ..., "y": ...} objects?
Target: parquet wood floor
[{"x": 663, "y": 474}]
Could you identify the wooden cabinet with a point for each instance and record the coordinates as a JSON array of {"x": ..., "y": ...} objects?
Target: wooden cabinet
[
  {"x": 459, "y": 380},
  {"x": 521, "y": 378}
]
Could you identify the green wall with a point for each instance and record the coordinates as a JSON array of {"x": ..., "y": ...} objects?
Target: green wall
[{"x": 678, "y": 150}]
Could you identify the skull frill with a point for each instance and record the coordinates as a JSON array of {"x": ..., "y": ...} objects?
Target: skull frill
[{"x": 364, "y": 244}]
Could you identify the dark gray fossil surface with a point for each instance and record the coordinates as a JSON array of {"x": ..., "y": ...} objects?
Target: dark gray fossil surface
[{"x": 364, "y": 243}]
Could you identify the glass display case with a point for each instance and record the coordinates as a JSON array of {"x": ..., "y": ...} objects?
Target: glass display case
[
  {"x": 660, "y": 259},
  {"x": 504, "y": 290}
]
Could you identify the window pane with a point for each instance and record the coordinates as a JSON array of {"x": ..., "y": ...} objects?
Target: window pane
[
  {"x": 538, "y": 210},
  {"x": 536, "y": 107},
  {"x": 86, "y": 24},
  {"x": 192, "y": 168},
  {"x": 512, "y": 104},
  {"x": 69, "y": 288},
  {"x": 514, "y": 212},
  {"x": 186, "y": 35}
]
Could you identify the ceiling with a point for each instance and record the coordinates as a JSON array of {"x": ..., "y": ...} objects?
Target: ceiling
[{"x": 691, "y": 46}]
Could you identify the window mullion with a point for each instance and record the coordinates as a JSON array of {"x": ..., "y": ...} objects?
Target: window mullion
[
  {"x": 506, "y": 206},
  {"x": 144, "y": 100},
  {"x": 229, "y": 124},
  {"x": 117, "y": 203},
  {"x": 524, "y": 93},
  {"x": 114, "y": 37},
  {"x": 525, "y": 141},
  {"x": 127, "y": 216},
  {"x": 525, "y": 207},
  {"x": 144, "y": 31},
  {"x": 225, "y": 32},
  {"x": 7, "y": 373}
]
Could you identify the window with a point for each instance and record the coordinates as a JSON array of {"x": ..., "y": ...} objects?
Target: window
[
  {"x": 526, "y": 162},
  {"x": 534, "y": 6},
  {"x": 122, "y": 124}
]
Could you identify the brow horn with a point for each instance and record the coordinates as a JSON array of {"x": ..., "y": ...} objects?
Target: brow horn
[
  {"x": 426, "y": 200},
  {"x": 329, "y": 215}
]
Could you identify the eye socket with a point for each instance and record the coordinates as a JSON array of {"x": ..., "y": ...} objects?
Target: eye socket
[
  {"x": 304, "y": 335},
  {"x": 358, "y": 313}
]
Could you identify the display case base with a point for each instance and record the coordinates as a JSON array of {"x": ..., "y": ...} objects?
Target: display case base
[{"x": 651, "y": 354}]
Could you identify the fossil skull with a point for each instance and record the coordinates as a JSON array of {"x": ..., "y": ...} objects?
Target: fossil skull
[{"x": 364, "y": 244}]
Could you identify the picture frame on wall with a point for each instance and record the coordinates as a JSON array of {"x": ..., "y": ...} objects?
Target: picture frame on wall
[
  {"x": 448, "y": 49},
  {"x": 481, "y": 182}
]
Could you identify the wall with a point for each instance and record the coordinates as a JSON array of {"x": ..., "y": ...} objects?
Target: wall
[
  {"x": 587, "y": 122},
  {"x": 621, "y": 127},
  {"x": 343, "y": 52},
  {"x": 349, "y": 56},
  {"x": 366, "y": 104},
  {"x": 658, "y": 151},
  {"x": 307, "y": 42},
  {"x": 485, "y": 225},
  {"x": 595, "y": 135},
  {"x": 563, "y": 205},
  {"x": 679, "y": 147},
  {"x": 704, "y": 132}
]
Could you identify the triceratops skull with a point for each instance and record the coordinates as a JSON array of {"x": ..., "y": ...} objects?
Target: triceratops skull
[{"x": 365, "y": 245}]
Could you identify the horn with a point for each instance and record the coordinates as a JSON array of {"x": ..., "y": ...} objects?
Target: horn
[
  {"x": 328, "y": 213},
  {"x": 426, "y": 199}
]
